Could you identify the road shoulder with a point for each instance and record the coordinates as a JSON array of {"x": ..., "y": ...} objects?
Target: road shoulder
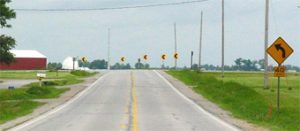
[{"x": 209, "y": 106}]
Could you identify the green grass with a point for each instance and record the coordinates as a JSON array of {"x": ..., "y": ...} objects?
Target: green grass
[
  {"x": 82, "y": 73},
  {"x": 10, "y": 110},
  {"x": 49, "y": 74},
  {"x": 244, "y": 96},
  {"x": 32, "y": 74},
  {"x": 19, "y": 102},
  {"x": 32, "y": 92},
  {"x": 63, "y": 82}
]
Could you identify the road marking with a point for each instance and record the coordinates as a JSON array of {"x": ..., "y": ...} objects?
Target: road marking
[
  {"x": 134, "y": 104},
  {"x": 123, "y": 126},
  {"x": 196, "y": 105},
  {"x": 125, "y": 119},
  {"x": 51, "y": 112}
]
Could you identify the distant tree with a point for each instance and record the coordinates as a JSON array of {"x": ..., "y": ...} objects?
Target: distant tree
[
  {"x": 209, "y": 67},
  {"x": 84, "y": 64},
  {"x": 291, "y": 67},
  {"x": 98, "y": 64},
  {"x": 195, "y": 67},
  {"x": 116, "y": 66},
  {"x": 139, "y": 65},
  {"x": 127, "y": 66},
  {"x": 226, "y": 67},
  {"x": 238, "y": 63},
  {"x": 6, "y": 42},
  {"x": 54, "y": 66},
  {"x": 261, "y": 63},
  {"x": 244, "y": 64},
  {"x": 146, "y": 66},
  {"x": 121, "y": 66},
  {"x": 247, "y": 65}
]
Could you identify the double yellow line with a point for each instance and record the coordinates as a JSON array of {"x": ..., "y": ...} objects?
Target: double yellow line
[{"x": 134, "y": 109}]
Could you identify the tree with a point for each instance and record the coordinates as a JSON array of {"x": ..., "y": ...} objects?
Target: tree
[
  {"x": 54, "y": 66},
  {"x": 195, "y": 67},
  {"x": 121, "y": 66},
  {"x": 127, "y": 66},
  {"x": 139, "y": 65},
  {"x": 97, "y": 64},
  {"x": 147, "y": 66},
  {"x": 261, "y": 63},
  {"x": 6, "y": 42},
  {"x": 238, "y": 62}
]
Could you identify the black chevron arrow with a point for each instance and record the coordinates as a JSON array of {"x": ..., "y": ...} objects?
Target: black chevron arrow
[{"x": 279, "y": 47}]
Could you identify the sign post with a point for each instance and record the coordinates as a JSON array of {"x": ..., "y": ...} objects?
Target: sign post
[{"x": 279, "y": 51}]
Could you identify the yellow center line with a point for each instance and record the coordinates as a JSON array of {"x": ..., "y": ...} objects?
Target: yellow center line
[{"x": 134, "y": 104}]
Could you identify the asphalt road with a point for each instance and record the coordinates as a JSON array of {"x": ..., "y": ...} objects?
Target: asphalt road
[{"x": 128, "y": 101}]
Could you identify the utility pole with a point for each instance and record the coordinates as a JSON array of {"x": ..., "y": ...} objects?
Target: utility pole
[
  {"x": 222, "y": 38},
  {"x": 266, "y": 79},
  {"x": 175, "y": 44},
  {"x": 108, "y": 50},
  {"x": 200, "y": 43},
  {"x": 192, "y": 54}
]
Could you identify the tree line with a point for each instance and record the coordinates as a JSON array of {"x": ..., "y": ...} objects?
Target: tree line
[
  {"x": 240, "y": 65},
  {"x": 245, "y": 65},
  {"x": 100, "y": 64}
]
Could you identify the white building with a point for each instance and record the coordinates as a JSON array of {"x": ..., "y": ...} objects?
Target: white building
[{"x": 68, "y": 64}]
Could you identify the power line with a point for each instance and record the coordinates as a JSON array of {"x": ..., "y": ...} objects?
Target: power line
[{"x": 111, "y": 8}]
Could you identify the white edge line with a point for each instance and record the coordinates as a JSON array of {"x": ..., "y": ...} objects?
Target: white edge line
[
  {"x": 196, "y": 105},
  {"x": 56, "y": 109}
]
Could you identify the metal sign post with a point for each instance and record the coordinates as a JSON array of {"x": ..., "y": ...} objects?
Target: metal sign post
[{"x": 278, "y": 69}]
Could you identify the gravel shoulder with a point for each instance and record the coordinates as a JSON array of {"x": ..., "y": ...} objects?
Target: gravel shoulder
[
  {"x": 211, "y": 107},
  {"x": 52, "y": 103}
]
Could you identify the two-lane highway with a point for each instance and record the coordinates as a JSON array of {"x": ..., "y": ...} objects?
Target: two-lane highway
[{"x": 128, "y": 101}]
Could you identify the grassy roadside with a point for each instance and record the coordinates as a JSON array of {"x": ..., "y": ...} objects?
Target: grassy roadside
[
  {"x": 32, "y": 74},
  {"x": 242, "y": 94},
  {"x": 10, "y": 110},
  {"x": 19, "y": 102}
]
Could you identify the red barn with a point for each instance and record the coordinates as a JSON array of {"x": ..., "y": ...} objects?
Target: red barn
[{"x": 26, "y": 60}]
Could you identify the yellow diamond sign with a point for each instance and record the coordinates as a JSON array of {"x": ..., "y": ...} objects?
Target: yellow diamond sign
[{"x": 280, "y": 50}]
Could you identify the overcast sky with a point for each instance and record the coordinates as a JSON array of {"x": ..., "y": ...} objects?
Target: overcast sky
[{"x": 135, "y": 32}]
